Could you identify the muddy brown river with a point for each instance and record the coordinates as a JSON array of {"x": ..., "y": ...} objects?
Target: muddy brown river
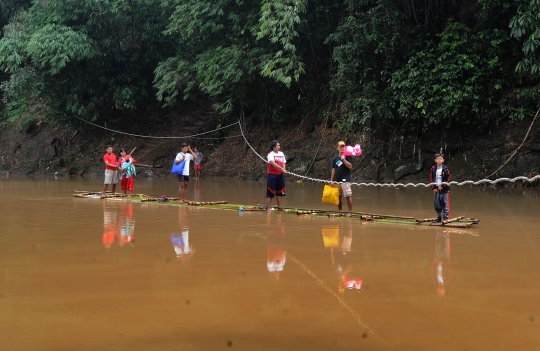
[{"x": 90, "y": 274}]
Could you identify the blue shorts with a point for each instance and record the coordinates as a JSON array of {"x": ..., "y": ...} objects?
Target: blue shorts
[
  {"x": 183, "y": 178},
  {"x": 275, "y": 185}
]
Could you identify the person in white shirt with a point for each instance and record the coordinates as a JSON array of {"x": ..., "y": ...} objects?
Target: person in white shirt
[{"x": 183, "y": 178}]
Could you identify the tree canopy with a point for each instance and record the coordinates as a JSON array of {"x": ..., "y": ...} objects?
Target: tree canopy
[{"x": 411, "y": 64}]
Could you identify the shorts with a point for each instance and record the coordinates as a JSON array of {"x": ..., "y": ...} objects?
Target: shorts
[
  {"x": 111, "y": 177},
  {"x": 127, "y": 183},
  {"x": 275, "y": 185},
  {"x": 199, "y": 166},
  {"x": 345, "y": 189},
  {"x": 183, "y": 178}
]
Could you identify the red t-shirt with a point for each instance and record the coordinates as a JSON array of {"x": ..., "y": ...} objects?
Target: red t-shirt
[
  {"x": 110, "y": 158},
  {"x": 279, "y": 159}
]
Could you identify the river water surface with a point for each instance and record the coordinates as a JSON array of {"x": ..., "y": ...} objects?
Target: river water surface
[{"x": 84, "y": 274}]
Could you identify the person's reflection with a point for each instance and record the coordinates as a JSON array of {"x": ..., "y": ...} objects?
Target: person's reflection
[
  {"x": 440, "y": 269},
  {"x": 127, "y": 225},
  {"x": 340, "y": 253},
  {"x": 276, "y": 255},
  {"x": 110, "y": 224},
  {"x": 180, "y": 241},
  {"x": 197, "y": 190}
]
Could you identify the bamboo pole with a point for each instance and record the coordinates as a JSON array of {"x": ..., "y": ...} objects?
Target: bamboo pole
[
  {"x": 305, "y": 212},
  {"x": 469, "y": 219},
  {"x": 333, "y": 214},
  {"x": 87, "y": 196},
  {"x": 452, "y": 220},
  {"x": 426, "y": 220},
  {"x": 345, "y": 212},
  {"x": 113, "y": 196},
  {"x": 91, "y": 192},
  {"x": 150, "y": 199},
  {"x": 203, "y": 203}
]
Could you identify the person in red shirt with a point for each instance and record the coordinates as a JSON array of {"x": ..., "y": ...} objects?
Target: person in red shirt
[
  {"x": 126, "y": 183},
  {"x": 276, "y": 180},
  {"x": 111, "y": 170}
]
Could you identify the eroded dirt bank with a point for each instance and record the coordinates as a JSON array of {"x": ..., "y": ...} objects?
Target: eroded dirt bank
[{"x": 45, "y": 150}]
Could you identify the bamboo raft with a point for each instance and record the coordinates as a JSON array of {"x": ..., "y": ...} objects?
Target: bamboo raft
[{"x": 457, "y": 222}]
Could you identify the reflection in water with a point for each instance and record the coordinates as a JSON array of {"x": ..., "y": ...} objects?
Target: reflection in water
[
  {"x": 3, "y": 251},
  {"x": 115, "y": 226},
  {"x": 276, "y": 255},
  {"x": 180, "y": 241},
  {"x": 341, "y": 260},
  {"x": 127, "y": 224},
  {"x": 56, "y": 278},
  {"x": 110, "y": 224},
  {"x": 440, "y": 269},
  {"x": 197, "y": 191}
]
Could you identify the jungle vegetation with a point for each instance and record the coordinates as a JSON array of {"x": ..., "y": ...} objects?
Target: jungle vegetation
[{"x": 412, "y": 64}]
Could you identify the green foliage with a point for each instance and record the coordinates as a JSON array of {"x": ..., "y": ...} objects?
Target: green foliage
[
  {"x": 392, "y": 72},
  {"x": 238, "y": 52},
  {"x": 279, "y": 19},
  {"x": 447, "y": 83},
  {"x": 213, "y": 53},
  {"x": 53, "y": 46},
  {"x": 403, "y": 64},
  {"x": 9, "y": 8},
  {"x": 525, "y": 27},
  {"x": 366, "y": 52},
  {"x": 13, "y": 44},
  {"x": 171, "y": 76},
  {"x": 91, "y": 59},
  {"x": 22, "y": 104}
]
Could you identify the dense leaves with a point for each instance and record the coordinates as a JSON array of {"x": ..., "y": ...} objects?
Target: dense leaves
[
  {"x": 410, "y": 64},
  {"x": 88, "y": 59}
]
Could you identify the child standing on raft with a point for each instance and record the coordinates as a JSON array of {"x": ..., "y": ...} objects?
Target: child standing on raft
[
  {"x": 438, "y": 174},
  {"x": 126, "y": 164}
]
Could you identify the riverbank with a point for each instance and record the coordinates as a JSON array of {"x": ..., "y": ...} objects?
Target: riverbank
[{"x": 387, "y": 157}]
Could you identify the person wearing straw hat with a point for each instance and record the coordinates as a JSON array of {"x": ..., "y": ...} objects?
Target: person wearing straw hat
[{"x": 341, "y": 172}]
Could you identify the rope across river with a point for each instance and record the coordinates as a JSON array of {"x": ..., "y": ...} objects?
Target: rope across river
[
  {"x": 401, "y": 185},
  {"x": 299, "y": 176}
]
